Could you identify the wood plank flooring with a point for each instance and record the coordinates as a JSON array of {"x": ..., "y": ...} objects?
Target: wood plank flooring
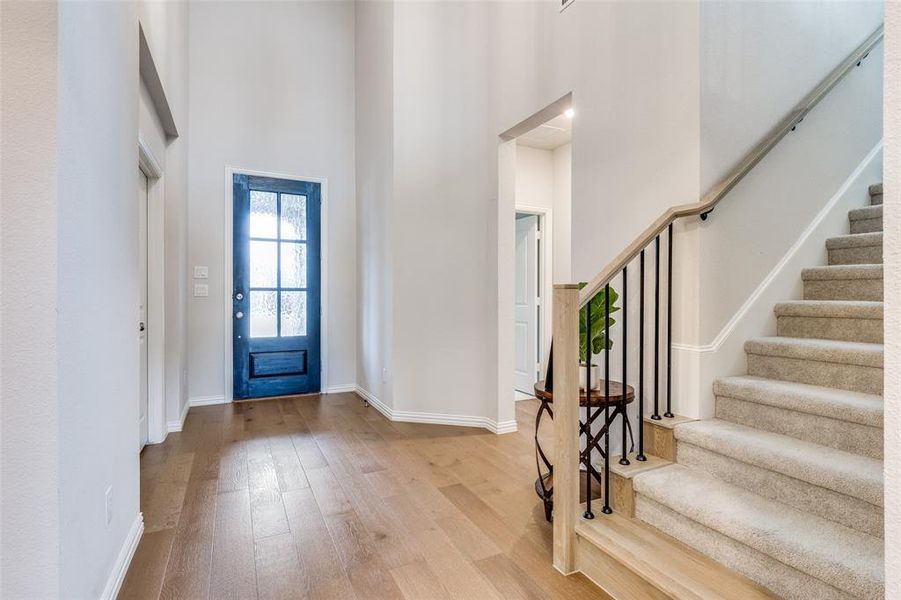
[{"x": 320, "y": 497}]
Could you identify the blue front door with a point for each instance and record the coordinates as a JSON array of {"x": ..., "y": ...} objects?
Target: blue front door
[{"x": 275, "y": 300}]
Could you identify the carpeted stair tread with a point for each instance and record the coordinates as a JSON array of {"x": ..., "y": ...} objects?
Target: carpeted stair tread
[
  {"x": 838, "y": 309},
  {"x": 832, "y": 272},
  {"x": 850, "y": 474},
  {"x": 846, "y": 559},
  {"x": 830, "y": 351},
  {"x": 855, "y": 407},
  {"x": 854, "y": 240},
  {"x": 866, "y": 213},
  {"x": 875, "y": 189}
]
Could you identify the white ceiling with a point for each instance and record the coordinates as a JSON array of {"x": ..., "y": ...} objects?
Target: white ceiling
[{"x": 550, "y": 135}]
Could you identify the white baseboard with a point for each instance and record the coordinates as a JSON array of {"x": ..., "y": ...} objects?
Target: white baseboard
[
  {"x": 176, "y": 426},
  {"x": 117, "y": 575},
  {"x": 436, "y": 418},
  {"x": 207, "y": 400},
  {"x": 341, "y": 389}
]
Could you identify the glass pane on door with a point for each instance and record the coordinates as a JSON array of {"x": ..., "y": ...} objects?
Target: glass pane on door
[
  {"x": 263, "y": 214},
  {"x": 263, "y": 264},
  {"x": 294, "y": 314},
  {"x": 263, "y": 320},
  {"x": 294, "y": 217},
  {"x": 294, "y": 265}
]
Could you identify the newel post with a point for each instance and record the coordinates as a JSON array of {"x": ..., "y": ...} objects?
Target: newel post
[{"x": 566, "y": 424}]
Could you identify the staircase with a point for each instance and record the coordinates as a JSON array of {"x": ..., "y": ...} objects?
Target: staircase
[{"x": 785, "y": 485}]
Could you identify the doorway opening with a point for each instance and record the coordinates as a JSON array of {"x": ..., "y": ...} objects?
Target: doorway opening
[{"x": 534, "y": 247}]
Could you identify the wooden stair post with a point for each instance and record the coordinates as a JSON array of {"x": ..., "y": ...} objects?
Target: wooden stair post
[{"x": 566, "y": 425}]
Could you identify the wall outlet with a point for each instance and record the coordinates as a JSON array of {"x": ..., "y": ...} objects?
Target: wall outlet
[
  {"x": 108, "y": 505},
  {"x": 201, "y": 272}
]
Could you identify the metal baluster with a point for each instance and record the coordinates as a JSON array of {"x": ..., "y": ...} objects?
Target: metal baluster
[
  {"x": 641, "y": 455},
  {"x": 669, "y": 324},
  {"x": 588, "y": 477},
  {"x": 624, "y": 459},
  {"x": 656, "y": 415},
  {"x": 606, "y": 510}
]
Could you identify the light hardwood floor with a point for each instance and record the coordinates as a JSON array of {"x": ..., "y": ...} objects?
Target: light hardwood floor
[{"x": 320, "y": 497}]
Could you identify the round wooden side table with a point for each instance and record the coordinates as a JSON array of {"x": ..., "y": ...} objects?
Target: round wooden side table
[{"x": 616, "y": 401}]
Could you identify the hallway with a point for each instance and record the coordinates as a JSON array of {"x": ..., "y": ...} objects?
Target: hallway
[{"x": 320, "y": 497}]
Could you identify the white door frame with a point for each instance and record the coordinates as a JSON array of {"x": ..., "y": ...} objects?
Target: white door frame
[
  {"x": 227, "y": 275},
  {"x": 546, "y": 271},
  {"x": 156, "y": 293}
]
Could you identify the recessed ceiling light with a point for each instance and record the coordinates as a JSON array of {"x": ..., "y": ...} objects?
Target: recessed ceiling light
[{"x": 569, "y": 113}]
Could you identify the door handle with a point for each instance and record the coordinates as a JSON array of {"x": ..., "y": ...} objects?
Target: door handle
[{"x": 239, "y": 315}]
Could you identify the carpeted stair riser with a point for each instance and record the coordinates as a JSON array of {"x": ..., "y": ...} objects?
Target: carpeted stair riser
[
  {"x": 831, "y": 328},
  {"x": 790, "y": 583},
  {"x": 866, "y": 220},
  {"x": 854, "y": 407},
  {"x": 830, "y": 320},
  {"x": 844, "y": 473},
  {"x": 835, "y": 433},
  {"x": 840, "y": 508},
  {"x": 876, "y": 194},
  {"x": 861, "y": 255},
  {"x": 859, "y": 378},
  {"x": 855, "y": 282},
  {"x": 840, "y": 557},
  {"x": 849, "y": 289},
  {"x": 855, "y": 249}
]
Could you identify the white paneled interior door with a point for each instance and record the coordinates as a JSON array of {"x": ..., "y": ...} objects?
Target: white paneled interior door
[{"x": 525, "y": 298}]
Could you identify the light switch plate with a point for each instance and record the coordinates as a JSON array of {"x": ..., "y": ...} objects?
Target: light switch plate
[
  {"x": 201, "y": 272},
  {"x": 201, "y": 290}
]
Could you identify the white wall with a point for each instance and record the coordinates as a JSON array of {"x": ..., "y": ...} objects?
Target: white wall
[
  {"x": 544, "y": 180},
  {"x": 534, "y": 177},
  {"x": 97, "y": 288},
  {"x": 165, "y": 24},
  {"x": 892, "y": 258},
  {"x": 563, "y": 167},
  {"x": 374, "y": 135},
  {"x": 462, "y": 74},
  {"x": 79, "y": 436},
  {"x": 752, "y": 75},
  {"x": 759, "y": 59},
  {"x": 271, "y": 89},
  {"x": 29, "y": 392}
]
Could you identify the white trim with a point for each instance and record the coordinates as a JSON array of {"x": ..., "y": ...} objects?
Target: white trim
[
  {"x": 120, "y": 568},
  {"x": 156, "y": 293},
  {"x": 437, "y": 418},
  {"x": 341, "y": 389},
  {"x": 207, "y": 400},
  {"x": 176, "y": 426},
  {"x": 565, "y": 4},
  {"x": 729, "y": 327},
  {"x": 227, "y": 272},
  {"x": 147, "y": 160}
]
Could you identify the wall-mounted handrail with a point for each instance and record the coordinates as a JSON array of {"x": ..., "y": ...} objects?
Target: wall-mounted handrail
[{"x": 719, "y": 191}]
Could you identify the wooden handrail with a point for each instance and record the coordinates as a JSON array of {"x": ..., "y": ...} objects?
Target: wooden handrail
[{"x": 719, "y": 191}]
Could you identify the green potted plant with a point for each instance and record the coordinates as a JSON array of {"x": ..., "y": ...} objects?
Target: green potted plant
[{"x": 595, "y": 340}]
